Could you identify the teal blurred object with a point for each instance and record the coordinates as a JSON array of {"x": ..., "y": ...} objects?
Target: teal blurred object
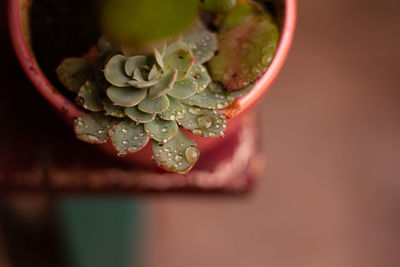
[{"x": 100, "y": 231}]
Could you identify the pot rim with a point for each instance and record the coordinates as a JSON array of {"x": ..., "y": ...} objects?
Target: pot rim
[{"x": 61, "y": 103}]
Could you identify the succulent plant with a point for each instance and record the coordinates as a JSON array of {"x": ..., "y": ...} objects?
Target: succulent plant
[{"x": 132, "y": 99}]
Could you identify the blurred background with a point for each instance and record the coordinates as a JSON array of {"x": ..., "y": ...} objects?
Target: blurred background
[{"x": 329, "y": 195}]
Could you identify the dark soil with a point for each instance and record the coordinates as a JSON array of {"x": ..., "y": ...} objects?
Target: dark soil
[{"x": 62, "y": 29}]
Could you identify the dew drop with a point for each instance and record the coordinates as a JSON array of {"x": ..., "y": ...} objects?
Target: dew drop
[
  {"x": 164, "y": 129},
  {"x": 197, "y": 132},
  {"x": 266, "y": 59},
  {"x": 132, "y": 149},
  {"x": 81, "y": 123},
  {"x": 204, "y": 121},
  {"x": 192, "y": 154},
  {"x": 80, "y": 101},
  {"x": 178, "y": 158},
  {"x": 195, "y": 111}
]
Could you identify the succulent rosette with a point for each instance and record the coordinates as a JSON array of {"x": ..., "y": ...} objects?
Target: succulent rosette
[{"x": 131, "y": 100}]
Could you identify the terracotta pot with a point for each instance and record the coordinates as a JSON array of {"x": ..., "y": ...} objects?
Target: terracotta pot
[{"x": 21, "y": 37}]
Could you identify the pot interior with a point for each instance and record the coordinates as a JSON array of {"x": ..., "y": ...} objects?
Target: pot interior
[{"x": 57, "y": 29}]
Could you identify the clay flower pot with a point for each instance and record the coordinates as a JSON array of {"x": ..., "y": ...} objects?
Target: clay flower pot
[{"x": 19, "y": 21}]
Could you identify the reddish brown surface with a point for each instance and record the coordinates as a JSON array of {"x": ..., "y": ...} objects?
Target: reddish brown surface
[{"x": 330, "y": 194}]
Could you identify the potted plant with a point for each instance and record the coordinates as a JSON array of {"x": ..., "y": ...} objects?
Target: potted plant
[{"x": 158, "y": 104}]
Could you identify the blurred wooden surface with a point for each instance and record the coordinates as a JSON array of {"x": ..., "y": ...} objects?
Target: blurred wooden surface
[{"x": 330, "y": 194}]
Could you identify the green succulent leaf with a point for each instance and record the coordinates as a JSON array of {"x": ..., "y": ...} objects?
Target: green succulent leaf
[
  {"x": 161, "y": 130},
  {"x": 90, "y": 96},
  {"x": 133, "y": 63},
  {"x": 203, "y": 122},
  {"x": 243, "y": 11},
  {"x": 165, "y": 84},
  {"x": 113, "y": 110},
  {"x": 128, "y": 137},
  {"x": 114, "y": 71},
  {"x": 142, "y": 84},
  {"x": 252, "y": 45},
  {"x": 181, "y": 60},
  {"x": 153, "y": 74},
  {"x": 178, "y": 155},
  {"x": 154, "y": 106},
  {"x": 126, "y": 96},
  {"x": 214, "y": 97},
  {"x": 240, "y": 93},
  {"x": 138, "y": 75},
  {"x": 139, "y": 116},
  {"x": 202, "y": 42},
  {"x": 200, "y": 74},
  {"x": 99, "y": 63},
  {"x": 184, "y": 89},
  {"x": 159, "y": 58},
  {"x": 74, "y": 72},
  {"x": 93, "y": 127},
  {"x": 175, "y": 46},
  {"x": 175, "y": 110}
]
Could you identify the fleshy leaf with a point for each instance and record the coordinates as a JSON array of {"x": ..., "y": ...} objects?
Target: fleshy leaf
[
  {"x": 161, "y": 130},
  {"x": 240, "y": 93},
  {"x": 159, "y": 58},
  {"x": 154, "y": 105},
  {"x": 203, "y": 122},
  {"x": 184, "y": 89},
  {"x": 214, "y": 97},
  {"x": 114, "y": 71},
  {"x": 133, "y": 63},
  {"x": 245, "y": 52},
  {"x": 153, "y": 74},
  {"x": 138, "y": 75},
  {"x": 99, "y": 63},
  {"x": 126, "y": 96},
  {"x": 242, "y": 12},
  {"x": 128, "y": 137},
  {"x": 181, "y": 60},
  {"x": 178, "y": 155},
  {"x": 175, "y": 110},
  {"x": 145, "y": 84},
  {"x": 90, "y": 96},
  {"x": 173, "y": 47},
  {"x": 74, "y": 72},
  {"x": 200, "y": 74},
  {"x": 93, "y": 127},
  {"x": 165, "y": 84},
  {"x": 139, "y": 116},
  {"x": 113, "y": 110},
  {"x": 202, "y": 42}
]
